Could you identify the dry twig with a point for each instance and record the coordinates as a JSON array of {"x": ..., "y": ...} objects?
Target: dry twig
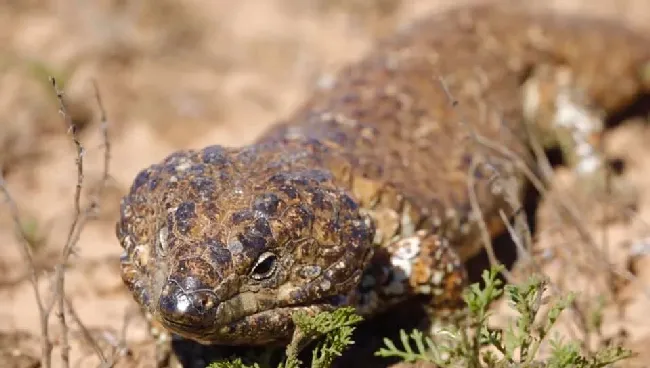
[
  {"x": 80, "y": 218},
  {"x": 28, "y": 258}
]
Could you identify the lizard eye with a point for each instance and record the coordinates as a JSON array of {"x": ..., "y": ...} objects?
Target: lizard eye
[{"x": 264, "y": 267}]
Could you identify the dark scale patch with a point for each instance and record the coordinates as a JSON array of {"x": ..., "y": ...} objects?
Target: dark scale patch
[
  {"x": 317, "y": 198},
  {"x": 266, "y": 203},
  {"x": 299, "y": 178},
  {"x": 140, "y": 179},
  {"x": 218, "y": 252},
  {"x": 196, "y": 170},
  {"x": 297, "y": 295},
  {"x": 121, "y": 231},
  {"x": 194, "y": 274},
  {"x": 289, "y": 190},
  {"x": 282, "y": 177},
  {"x": 320, "y": 176},
  {"x": 184, "y": 216},
  {"x": 261, "y": 227},
  {"x": 252, "y": 243},
  {"x": 347, "y": 203},
  {"x": 241, "y": 216},
  {"x": 203, "y": 186},
  {"x": 153, "y": 183},
  {"x": 214, "y": 155}
]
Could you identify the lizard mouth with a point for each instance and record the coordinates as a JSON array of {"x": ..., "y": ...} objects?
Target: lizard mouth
[{"x": 270, "y": 326}]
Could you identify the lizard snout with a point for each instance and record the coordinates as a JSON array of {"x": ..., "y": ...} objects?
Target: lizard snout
[{"x": 186, "y": 310}]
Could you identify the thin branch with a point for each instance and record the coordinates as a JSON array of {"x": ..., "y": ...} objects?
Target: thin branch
[
  {"x": 81, "y": 216},
  {"x": 77, "y": 219},
  {"x": 485, "y": 234},
  {"x": 28, "y": 259}
]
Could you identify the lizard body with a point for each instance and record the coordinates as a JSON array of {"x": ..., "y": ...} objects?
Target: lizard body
[{"x": 360, "y": 197}]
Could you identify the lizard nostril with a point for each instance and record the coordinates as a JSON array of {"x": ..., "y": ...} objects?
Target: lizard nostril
[{"x": 202, "y": 302}]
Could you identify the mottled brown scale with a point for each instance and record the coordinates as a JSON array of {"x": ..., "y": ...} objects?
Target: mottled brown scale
[{"x": 361, "y": 196}]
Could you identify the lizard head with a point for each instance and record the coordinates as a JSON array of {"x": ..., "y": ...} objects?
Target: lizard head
[{"x": 224, "y": 245}]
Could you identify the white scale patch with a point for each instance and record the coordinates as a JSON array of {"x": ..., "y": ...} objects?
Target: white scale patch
[
  {"x": 183, "y": 165},
  {"x": 162, "y": 240},
  {"x": 325, "y": 285},
  {"x": 183, "y": 303},
  {"x": 568, "y": 114},
  {"x": 407, "y": 250},
  {"x": 402, "y": 260},
  {"x": 582, "y": 125},
  {"x": 437, "y": 278}
]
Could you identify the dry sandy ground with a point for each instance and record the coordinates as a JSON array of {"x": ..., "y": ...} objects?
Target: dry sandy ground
[{"x": 175, "y": 75}]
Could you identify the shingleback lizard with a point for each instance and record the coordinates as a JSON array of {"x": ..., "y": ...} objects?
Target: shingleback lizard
[{"x": 360, "y": 197}]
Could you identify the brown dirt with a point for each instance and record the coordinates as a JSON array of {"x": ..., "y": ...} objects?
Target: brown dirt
[{"x": 204, "y": 72}]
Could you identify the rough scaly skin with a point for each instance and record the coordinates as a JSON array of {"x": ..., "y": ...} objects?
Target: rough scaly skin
[{"x": 360, "y": 197}]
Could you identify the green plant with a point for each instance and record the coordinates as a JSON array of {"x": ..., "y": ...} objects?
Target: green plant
[
  {"x": 332, "y": 329},
  {"x": 472, "y": 345},
  {"x": 517, "y": 346}
]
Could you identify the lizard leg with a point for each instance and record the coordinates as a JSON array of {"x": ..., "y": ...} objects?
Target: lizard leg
[{"x": 423, "y": 266}]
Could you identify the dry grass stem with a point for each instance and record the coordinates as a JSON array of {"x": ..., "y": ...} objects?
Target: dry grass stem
[{"x": 80, "y": 218}]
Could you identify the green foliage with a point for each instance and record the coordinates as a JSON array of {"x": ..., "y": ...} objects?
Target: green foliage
[
  {"x": 233, "y": 363},
  {"x": 472, "y": 345},
  {"x": 333, "y": 330},
  {"x": 517, "y": 346}
]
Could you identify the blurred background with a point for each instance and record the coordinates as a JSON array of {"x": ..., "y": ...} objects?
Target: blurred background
[{"x": 172, "y": 74}]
